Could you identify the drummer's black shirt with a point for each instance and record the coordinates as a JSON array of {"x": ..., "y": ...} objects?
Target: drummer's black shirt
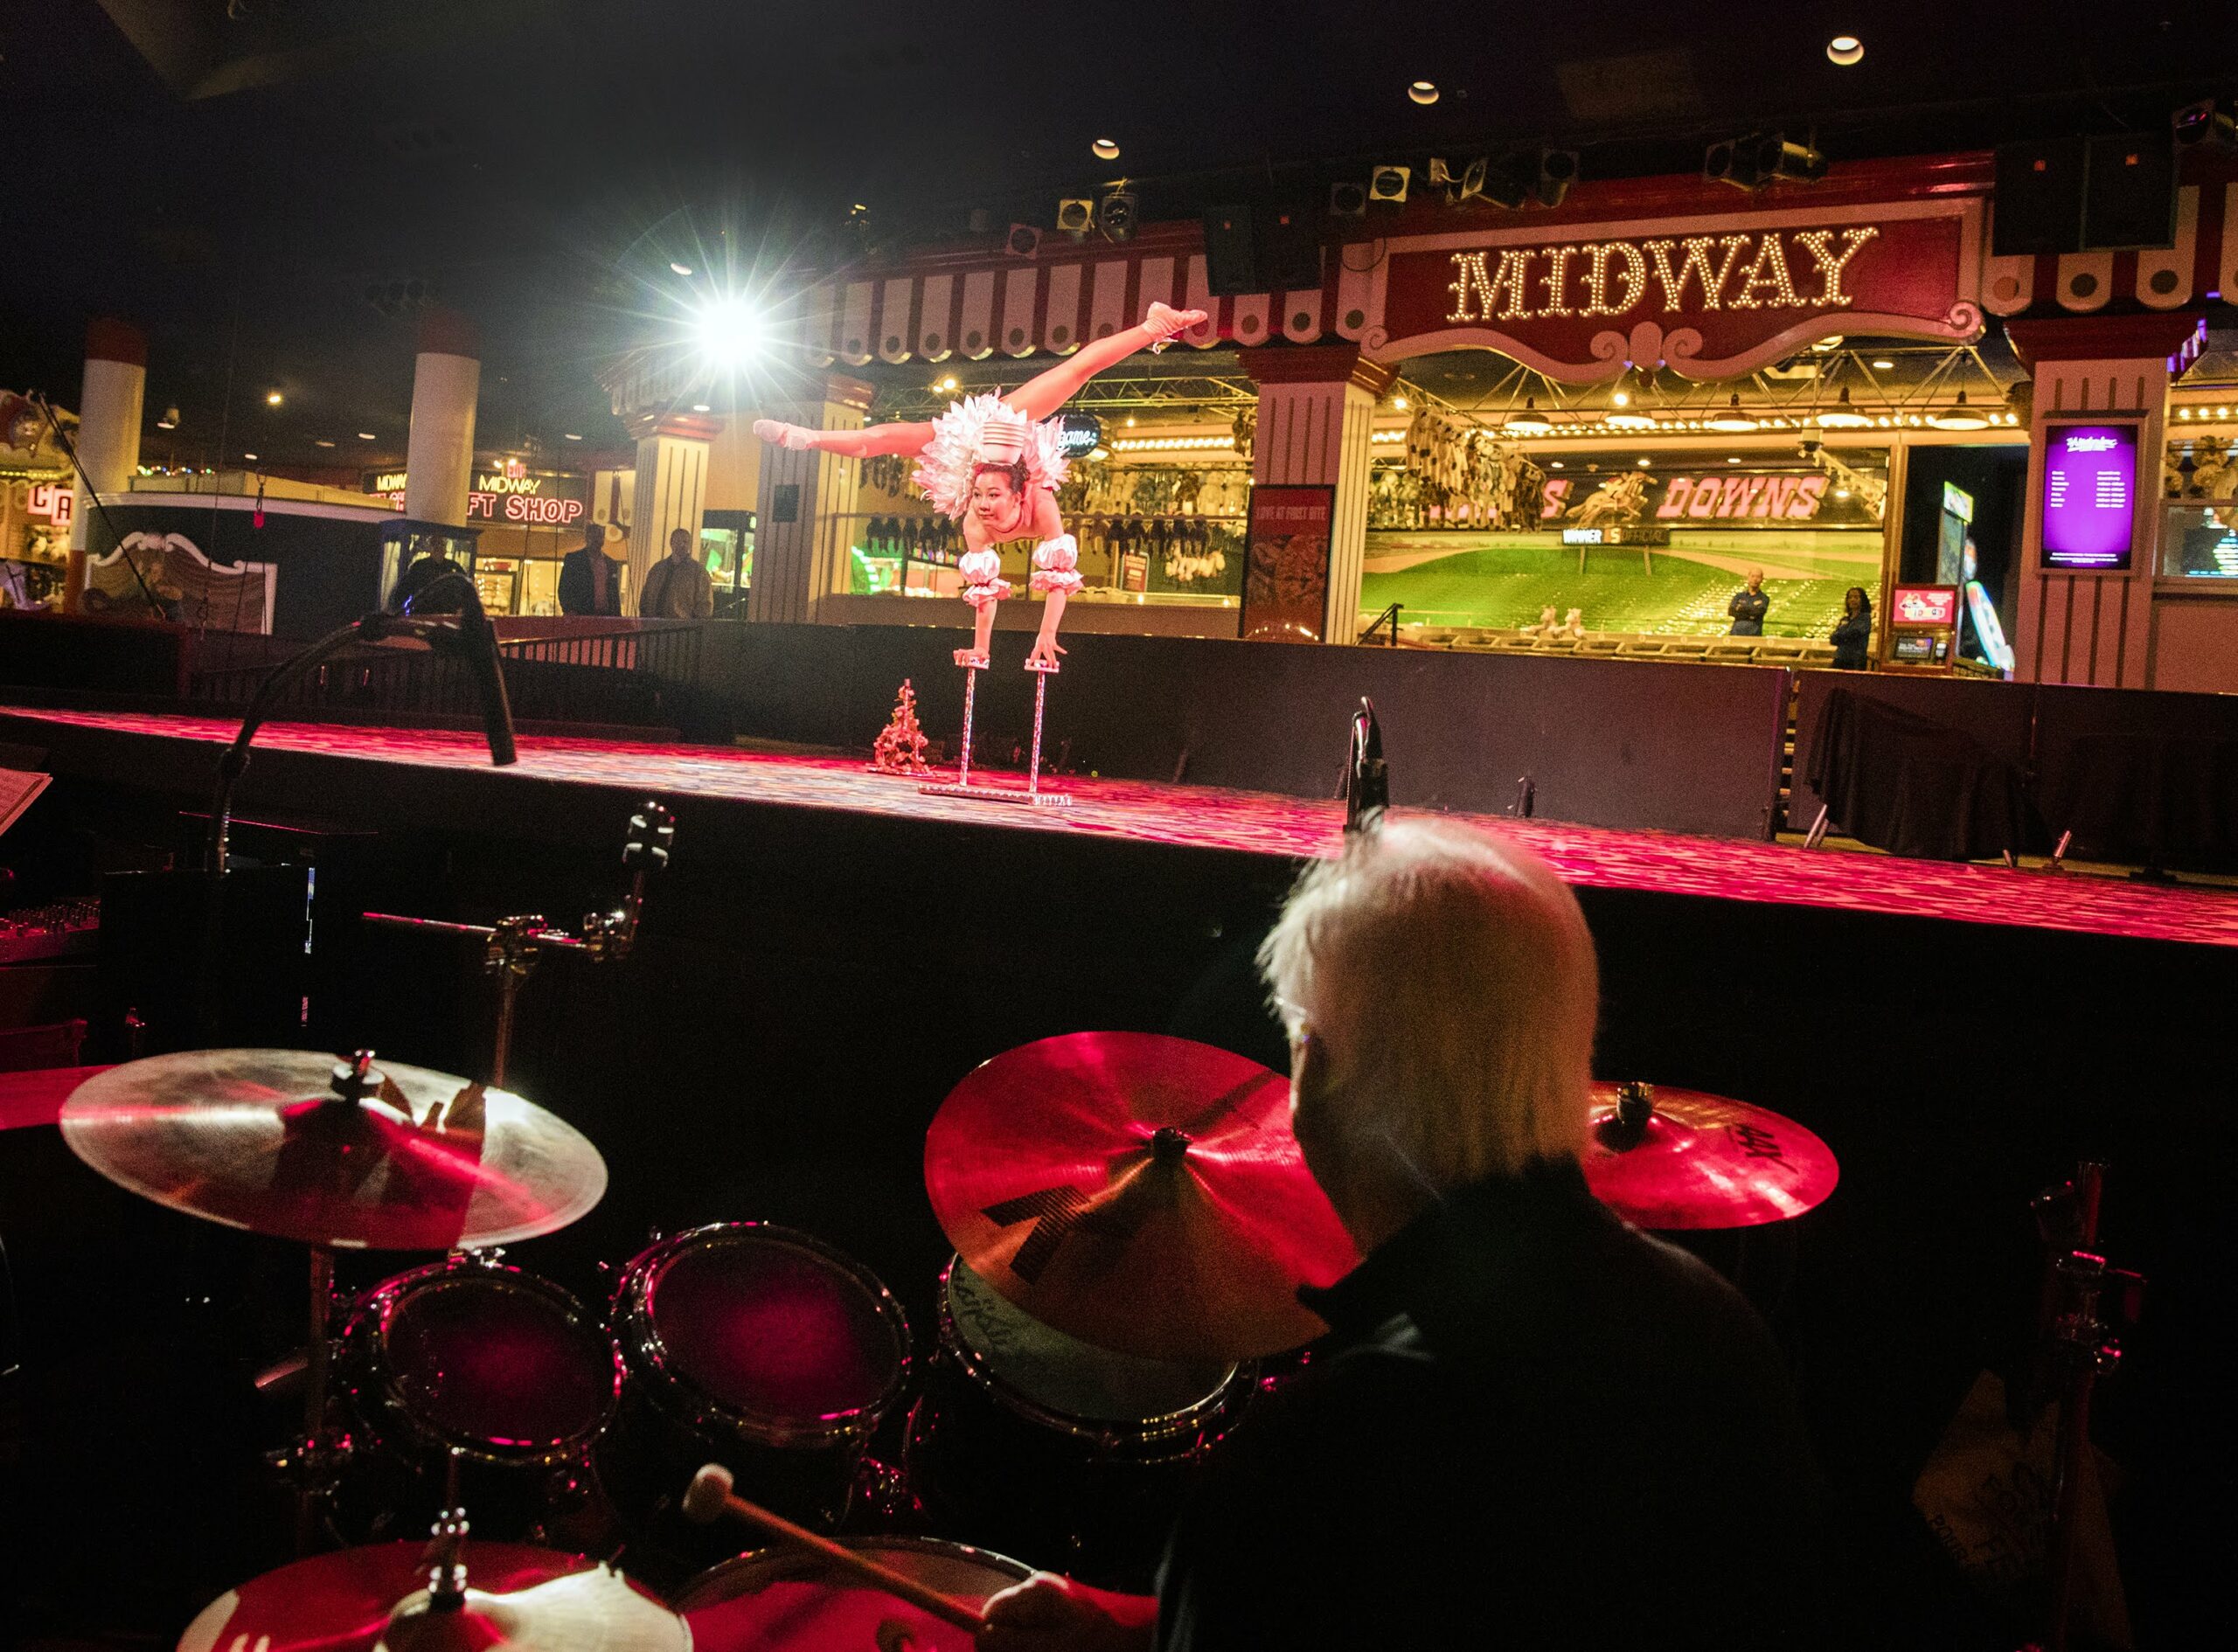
[{"x": 1540, "y": 1428}]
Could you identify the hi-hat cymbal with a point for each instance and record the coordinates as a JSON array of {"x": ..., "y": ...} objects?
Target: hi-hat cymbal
[
  {"x": 1140, "y": 1192},
  {"x": 518, "y": 1596},
  {"x": 1688, "y": 1159},
  {"x": 265, "y": 1140}
]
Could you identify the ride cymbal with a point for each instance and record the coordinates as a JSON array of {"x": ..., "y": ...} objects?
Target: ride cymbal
[
  {"x": 287, "y": 1144},
  {"x": 1140, "y": 1192},
  {"x": 1669, "y": 1159}
]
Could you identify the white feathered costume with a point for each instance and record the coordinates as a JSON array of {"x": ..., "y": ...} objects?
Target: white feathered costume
[{"x": 984, "y": 430}]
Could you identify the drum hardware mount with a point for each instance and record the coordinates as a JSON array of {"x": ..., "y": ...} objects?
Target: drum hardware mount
[{"x": 513, "y": 945}]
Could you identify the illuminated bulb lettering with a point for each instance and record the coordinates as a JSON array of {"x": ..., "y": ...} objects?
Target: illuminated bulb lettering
[
  {"x": 1695, "y": 262},
  {"x": 1472, "y": 288},
  {"x": 1771, "y": 272},
  {"x": 1820, "y": 244},
  {"x": 1558, "y": 281},
  {"x": 1598, "y": 257}
]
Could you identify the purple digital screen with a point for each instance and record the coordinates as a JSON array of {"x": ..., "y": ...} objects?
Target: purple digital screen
[{"x": 2089, "y": 494}]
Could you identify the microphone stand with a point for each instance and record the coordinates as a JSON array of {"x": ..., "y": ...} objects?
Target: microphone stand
[
  {"x": 38, "y": 399},
  {"x": 470, "y": 633}
]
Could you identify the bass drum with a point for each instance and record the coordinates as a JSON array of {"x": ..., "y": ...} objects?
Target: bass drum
[
  {"x": 1068, "y": 1455},
  {"x": 780, "y": 1600},
  {"x": 758, "y": 1347},
  {"x": 508, "y": 1369}
]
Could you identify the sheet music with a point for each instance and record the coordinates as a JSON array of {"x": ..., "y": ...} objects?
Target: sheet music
[{"x": 18, "y": 788}]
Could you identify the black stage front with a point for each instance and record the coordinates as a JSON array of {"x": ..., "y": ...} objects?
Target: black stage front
[{"x": 821, "y": 965}]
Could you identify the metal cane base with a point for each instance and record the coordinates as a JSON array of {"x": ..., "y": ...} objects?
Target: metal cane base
[{"x": 1001, "y": 795}]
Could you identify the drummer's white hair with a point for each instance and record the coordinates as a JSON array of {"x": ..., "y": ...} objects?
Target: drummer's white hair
[{"x": 1451, "y": 979}]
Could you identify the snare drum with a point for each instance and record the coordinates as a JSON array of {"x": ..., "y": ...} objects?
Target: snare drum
[
  {"x": 508, "y": 1368},
  {"x": 758, "y": 1348},
  {"x": 1065, "y": 1455},
  {"x": 780, "y": 1600}
]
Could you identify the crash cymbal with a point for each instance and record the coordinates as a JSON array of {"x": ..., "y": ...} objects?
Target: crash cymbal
[
  {"x": 377, "y": 1596},
  {"x": 1666, "y": 1158},
  {"x": 1140, "y": 1192},
  {"x": 265, "y": 1140}
]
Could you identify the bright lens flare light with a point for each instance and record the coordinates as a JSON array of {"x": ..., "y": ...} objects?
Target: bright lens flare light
[{"x": 729, "y": 333}]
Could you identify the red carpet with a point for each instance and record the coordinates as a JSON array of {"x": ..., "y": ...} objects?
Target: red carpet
[{"x": 1203, "y": 817}]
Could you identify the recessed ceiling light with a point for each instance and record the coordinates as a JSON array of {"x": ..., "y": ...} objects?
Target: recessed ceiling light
[
  {"x": 679, "y": 268},
  {"x": 699, "y": 406},
  {"x": 1556, "y": 465},
  {"x": 250, "y": 456},
  {"x": 1732, "y": 462},
  {"x": 322, "y": 442},
  {"x": 571, "y": 436},
  {"x": 1423, "y": 92},
  {"x": 1882, "y": 363},
  {"x": 1105, "y": 149},
  {"x": 1621, "y": 398},
  {"x": 271, "y": 398},
  {"x": 1642, "y": 461},
  {"x": 366, "y": 435},
  {"x": 1399, "y": 403},
  {"x": 1845, "y": 49}
]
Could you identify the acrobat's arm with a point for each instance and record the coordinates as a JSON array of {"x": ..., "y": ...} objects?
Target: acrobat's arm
[
  {"x": 1044, "y": 392},
  {"x": 868, "y": 443},
  {"x": 1056, "y": 564}
]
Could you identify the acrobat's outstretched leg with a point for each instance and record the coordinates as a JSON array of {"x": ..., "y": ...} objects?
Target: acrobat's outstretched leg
[
  {"x": 867, "y": 443},
  {"x": 1044, "y": 392}
]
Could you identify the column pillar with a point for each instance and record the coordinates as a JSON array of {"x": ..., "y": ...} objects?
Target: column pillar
[
  {"x": 110, "y": 407},
  {"x": 2079, "y": 626},
  {"x": 446, "y": 387},
  {"x": 805, "y": 508},
  {"x": 1316, "y": 408},
  {"x": 671, "y": 488}
]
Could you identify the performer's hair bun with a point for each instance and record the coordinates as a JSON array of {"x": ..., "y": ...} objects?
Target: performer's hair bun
[{"x": 1015, "y": 470}]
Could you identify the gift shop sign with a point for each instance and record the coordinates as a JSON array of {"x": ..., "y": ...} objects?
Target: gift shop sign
[
  {"x": 1710, "y": 297},
  {"x": 540, "y": 499}
]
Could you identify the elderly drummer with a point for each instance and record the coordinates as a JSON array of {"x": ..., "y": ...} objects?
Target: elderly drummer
[{"x": 1536, "y": 1426}]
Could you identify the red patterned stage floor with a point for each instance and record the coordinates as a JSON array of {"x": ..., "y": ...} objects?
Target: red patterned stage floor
[{"x": 1292, "y": 828}]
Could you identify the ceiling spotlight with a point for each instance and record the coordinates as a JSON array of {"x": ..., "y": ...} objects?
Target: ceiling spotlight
[
  {"x": 1388, "y": 184},
  {"x": 1643, "y": 462},
  {"x": 1423, "y": 92},
  {"x": 1116, "y": 212},
  {"x": 1530, "y": 421},
  {"x": 571, "y": 436},
  {"x": 1733, "y": 461},
  {"x": 1841, "y": 415},
  {"x": 1076, "y": 216},
  {"x": 1347, "y": 199},
  {"x": 1621, "y": 421},
  {"x": 701, "y": 406},
  {"x": 321, "y": 441},
  {"x": 1733, "y": 418},
  {"x": 680, "y": 268},
  {"x": 1105, "y": 149},
  {"x": 729, "y": 333},
  {"x": 273, "y": 399},
  {"x": 250, "y": 457},
  {"x": 1845, "y": 49},
  {"x": 1620, "y": 399},
  {"x": 1882, "y": 363},
  {"x": 366, "y": 435},
  {"x": 170, "y": 420},
  {"x": 1399, "y": 402},
  {"x": 949, "y": 382}
]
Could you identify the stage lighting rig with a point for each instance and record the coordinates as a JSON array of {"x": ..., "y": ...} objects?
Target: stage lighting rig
[
  {"x": 1076, "y": 216},
  {"x": 1116, "y": 212},
  {"x": 1347, "y": 199},
  {"x": 2202, "y": 126}
]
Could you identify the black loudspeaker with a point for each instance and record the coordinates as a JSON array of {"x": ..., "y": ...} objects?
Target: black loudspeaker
[
  {"x": 2129, "y": 192},
  {"x": 1289, "y": 250},
  {"x": 1231, "y": 254},
  {"x": 2038, "y": 206}
]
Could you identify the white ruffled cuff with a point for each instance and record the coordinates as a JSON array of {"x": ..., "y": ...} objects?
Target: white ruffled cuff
[{"x": 1053, "y": 562}]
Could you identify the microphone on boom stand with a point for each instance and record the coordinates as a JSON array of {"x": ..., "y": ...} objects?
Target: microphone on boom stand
[{"x": 1367, "y": 781}]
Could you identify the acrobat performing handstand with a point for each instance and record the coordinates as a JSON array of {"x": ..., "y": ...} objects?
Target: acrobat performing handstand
[{"x": 993, "y": 464}]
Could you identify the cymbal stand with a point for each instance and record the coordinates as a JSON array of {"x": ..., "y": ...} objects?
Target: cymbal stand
[
  {"x": 2086, "y": 1304},
  {"x": 513, "y": 945}
]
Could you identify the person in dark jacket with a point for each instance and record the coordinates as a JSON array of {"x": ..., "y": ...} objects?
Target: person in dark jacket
[
  {"x": 589, "y": 583},
  {"x": 1537, "y": 1428},
  {"x": 1750, "y": 606},
  {"x": 1853, "y": 633}
]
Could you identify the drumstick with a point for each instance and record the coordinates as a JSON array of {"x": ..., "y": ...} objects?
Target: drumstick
[{"x": 709, "y": 1495}]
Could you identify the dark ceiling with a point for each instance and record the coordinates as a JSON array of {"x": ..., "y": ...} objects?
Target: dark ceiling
[{"x": 271, "y": 187}]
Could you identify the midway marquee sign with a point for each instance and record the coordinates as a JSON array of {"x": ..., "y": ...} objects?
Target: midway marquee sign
[
  {"x": 1708, "y": 297},
  {"x": 526, "y": 498}
]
